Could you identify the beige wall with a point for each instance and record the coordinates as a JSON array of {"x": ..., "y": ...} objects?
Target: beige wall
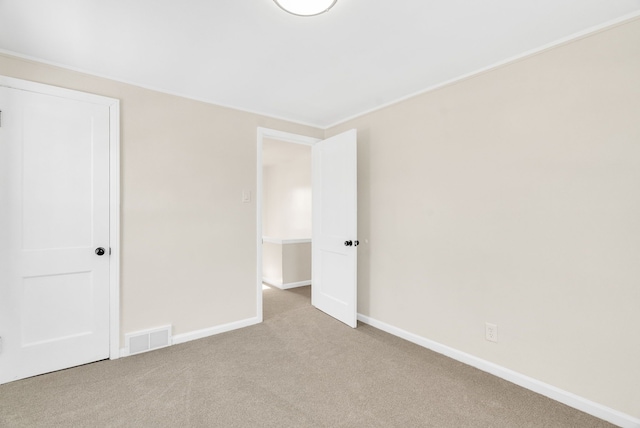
[
  {"x": 286, "y": 264},
  {"x": 513, "y": 197},
  {"x": 287, "y": 191},
  {"x": 188, "y": 241},
  {"x": 296, "y": 262}
]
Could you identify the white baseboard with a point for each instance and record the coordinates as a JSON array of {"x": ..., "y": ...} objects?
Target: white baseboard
[
  {"x": 295, "y": 284},
  {"x": 211, "y": 331},
  {"x": 286, "y": 286},
  {"x": 557, "y": 394},
  {"x": 272, "y": 282},
  {"x": 201, "y": 334}
]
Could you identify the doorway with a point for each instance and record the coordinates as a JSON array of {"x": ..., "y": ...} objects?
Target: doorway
[
  {"x": 284, "y": 200},
  {"x": 286, "y": 214},
  {"x": 334, "y": 217}
]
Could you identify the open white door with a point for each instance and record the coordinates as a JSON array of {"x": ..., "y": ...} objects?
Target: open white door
[
  {"x": 334, "y": 240},
  {"x": 54, "y": 233}
]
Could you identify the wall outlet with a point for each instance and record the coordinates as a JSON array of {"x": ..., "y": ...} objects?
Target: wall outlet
[{"x": 491, "y": 332}]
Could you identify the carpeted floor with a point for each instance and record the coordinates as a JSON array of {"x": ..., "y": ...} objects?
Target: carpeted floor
[{"x": 300, "y": 368}]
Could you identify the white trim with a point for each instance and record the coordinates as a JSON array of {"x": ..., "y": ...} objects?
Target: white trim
[
  {"x": 56, "y": 91},
  {"x": 557, "y": 394},
  {"x": 286, "y": 137},
  {"x": 263, "y": 133},
  {"x": 285, "y": 241},
  {"x": 259, "y": 243},
  {"x": 290, "y": 285},
  {"x": 278, "y": 284},
  {"x": 565, "y": 40},
  {"x": 114, "y": 230},
  {"x": 114, "y": 190},
  {"x": 6, "y": 52},
  {"x": 274, "y": 282},
  {"x": 212, "y": 331}
]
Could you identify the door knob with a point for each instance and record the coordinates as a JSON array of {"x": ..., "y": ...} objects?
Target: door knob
[
  {"x": 348, "y": 243},
  {"x": 99, "y": 251}
]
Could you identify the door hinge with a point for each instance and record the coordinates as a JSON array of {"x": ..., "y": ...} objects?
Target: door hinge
[
  {"x": 0, "y": 118},
  {"x": 109, "y": 250}
]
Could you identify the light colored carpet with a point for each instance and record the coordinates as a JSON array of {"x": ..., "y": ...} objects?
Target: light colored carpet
[{"x": 300, "y": 368}]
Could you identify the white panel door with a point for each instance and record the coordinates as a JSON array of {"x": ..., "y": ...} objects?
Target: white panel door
[
  {"x": 334, "y": 240},
  {"x": 54, "y": 213}
]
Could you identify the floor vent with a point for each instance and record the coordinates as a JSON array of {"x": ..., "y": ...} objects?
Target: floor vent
[{"x": 148, "y": 340}]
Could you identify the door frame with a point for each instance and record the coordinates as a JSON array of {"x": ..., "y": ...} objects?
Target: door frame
[
  {"x": 114, "y": 189},
  {"x": 280, "y": 136}
]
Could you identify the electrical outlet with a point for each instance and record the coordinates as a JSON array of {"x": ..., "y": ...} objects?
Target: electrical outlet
[{"x": 491, "y": 332}]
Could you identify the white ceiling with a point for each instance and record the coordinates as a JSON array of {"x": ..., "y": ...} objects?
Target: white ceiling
[{"x": 250, "y": 55}]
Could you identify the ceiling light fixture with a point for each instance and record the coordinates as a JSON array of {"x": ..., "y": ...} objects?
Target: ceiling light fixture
[{"x": 305, "y": 7}]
